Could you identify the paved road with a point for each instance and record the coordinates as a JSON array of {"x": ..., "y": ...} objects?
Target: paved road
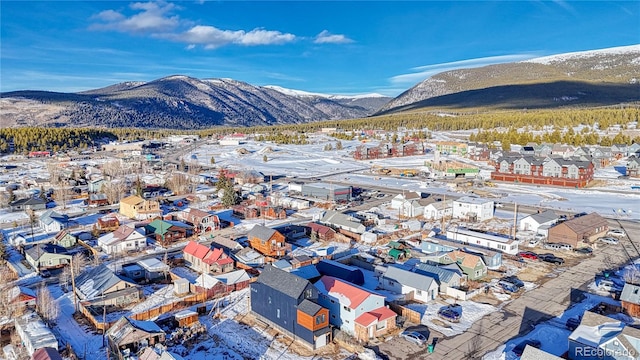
[{"x": 518, "y": 317}]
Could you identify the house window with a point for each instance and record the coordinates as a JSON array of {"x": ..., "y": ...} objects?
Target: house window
[
  {"x": 346, "y": 308},
  {"x": 270, "y": 301},
  {"x": 333, "y": 301},
  {"x": 320, "y": 319},
  {"x": 308, "y": 293},
  {"x": 333, "y": 316},
  {"x": 381, "y": 325},
  {"x": 278, "y": 313},
  {"x": 418, "y": 292}
]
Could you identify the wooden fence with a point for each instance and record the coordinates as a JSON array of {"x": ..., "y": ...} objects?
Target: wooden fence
[{"x": 411, "y": 315}]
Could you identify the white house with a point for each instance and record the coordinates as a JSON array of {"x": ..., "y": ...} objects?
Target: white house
[
  {"x": 123, "y": 239},
  {"x": 347, "y": 303},
  {"x": 51, "y": 221},
  {"x": 473, "y": 207},
  {"x": 438, "y": 210},
  {"x": 401, "y": 200},
  {"x": 534, "y": 221},
  {"x": 489, "y": 240},
  {"x": 423, "y": 287}
]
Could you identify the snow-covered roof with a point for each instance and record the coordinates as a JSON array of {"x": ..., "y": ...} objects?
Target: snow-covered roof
[{"x": 595, "y": 329}]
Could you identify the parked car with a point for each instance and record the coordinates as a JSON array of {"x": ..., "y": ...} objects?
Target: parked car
[
  {"x": 45, "y": 273},
  {"x": 513, "y": 280},
  {"x": 508, "y": 287},
  {"x": 533, "y": 242},
  {"x": 552, "y": 259},
  {"x": 616, "y": 232},
  {"x": 573, "y": 323},
  {"x": 519, "y": 349},
  {"x": 450, "y": 313},
  {"x": 414, "y": 337},
  {"x": 609, "y": 240},
  {"x": 584, "y": 250},
  {"x": 528, "y": 255}
]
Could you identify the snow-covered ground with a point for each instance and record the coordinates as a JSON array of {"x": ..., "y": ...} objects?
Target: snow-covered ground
[
  {"x": 471, "y": 312},
  {"x": 552, "y": 333}
]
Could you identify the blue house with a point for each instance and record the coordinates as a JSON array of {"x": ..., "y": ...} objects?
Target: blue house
[
  {"x": 493, "y": 259},
  {"x": 289, "y": 303}
]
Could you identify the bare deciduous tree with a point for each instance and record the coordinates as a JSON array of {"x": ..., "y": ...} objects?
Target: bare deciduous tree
[
  {"x": 46, "y": 305},
  {"x": 114, "y": 190},
  {"x": 79, "y": 263},
  {"x": 180, "y": 183},
  {"x": 61, "y": 195},
  {"x": 112, "y": 169}
]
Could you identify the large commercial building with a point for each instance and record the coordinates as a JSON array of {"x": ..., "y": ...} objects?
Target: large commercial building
[{"x": 327, "y": 192}]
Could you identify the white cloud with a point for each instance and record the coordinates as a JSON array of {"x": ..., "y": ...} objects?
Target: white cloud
[
  {"x": 157, "y": 20},
  {"x": 325, "y": 37},
  {"x": 423, "y": 72},
  {"x": 211, "y": 37},
  {"x": 152, "y": 17}
]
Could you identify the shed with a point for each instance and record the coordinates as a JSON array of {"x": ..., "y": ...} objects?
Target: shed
[
  {"x": 46, "y": 353},
  {"x": 186, "y": 318}
]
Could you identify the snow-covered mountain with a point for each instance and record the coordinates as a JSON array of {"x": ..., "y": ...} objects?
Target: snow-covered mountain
[
  {"x": 182, "y": 102},
  {"x": 598, "y": 77}
]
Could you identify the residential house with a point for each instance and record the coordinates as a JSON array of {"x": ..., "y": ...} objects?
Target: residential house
[
  {"x": 492, "y": 258},
  {"x": 222, "y": 284},
  {"x": 34, "y": 333},
  {"x": 470, "y": 264},
  {"x": 534, "y": 221},
  {"x": 224, "y": 243},
  {"x": 247, "y": 258},
  {"x": 562, "y": 150},
  {"x": 321, "y": 232},
  {"x": 495, "y": 241},
  {"x": 399, "y": 200},
  {"x": 343, "y": 222},
  {"x": 129, "y": 336},
  {"x": 473, "y": 208},
  {"x": 439, "y": 209},
  {"x": 355, "y": 310},
  {"x": 107, "y": 223},
  {"x": 52, "y": 221},
  {"x": 598, "y": 334},
  {"x": 248, "y": 177},
  {"x": 124, "y": 239},
  {"x": 205, "y": 259},
  {"x": 22, "y": 295},
  {"x": 289, "y": 303},
  {"x": 95, "y": 186},
  {"x": 267, "y": 241},
  {"x": 29, "y": 204},
  {"x": 46, "y": 353},
  {"x": 245, "y": 211},
  {"x": 579, "y": 230},
  {"x": 154, "y": 269},
  {"x": 273, "y": 213},
  {"x": 101, "y": 286},
  {"x": 47, "y": 256},
  {"x": 601, "y": 156},
  {"x": 445, "y": 278},
  {"x": 201, "y": 220},
  {"x": 97, "y": 200},
  {"x": 158, "y": 354},
  {"x": 399, "y": 250},
  {"x": 634, "y": 148},
  {"x": 619, "y": 150},
  {"x": 65, "y": 239},
  {"x": 300, "y": 261},
  {"x": 250, "y": 188},
  {"x": 166, "y": 232},
  {"x": 633, "y": 166},
  {"x": 451, "y": 147},
  {"x": 419, "y": 286},
  {"x": 630, "y": 299},
  {"x": 137, "y": 208}
]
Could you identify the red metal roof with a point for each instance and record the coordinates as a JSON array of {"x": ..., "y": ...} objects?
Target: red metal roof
[
  {"x": 343, "y": 289},
  {"x": 380, "y": 314}
]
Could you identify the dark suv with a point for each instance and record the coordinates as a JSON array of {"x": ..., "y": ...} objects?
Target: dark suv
[{"x": 551, "y": 259}]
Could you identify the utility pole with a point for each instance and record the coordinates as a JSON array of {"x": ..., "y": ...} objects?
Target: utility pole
[
  {"x": 515, "y": 219},
  {"x": 73, "y": 287}
]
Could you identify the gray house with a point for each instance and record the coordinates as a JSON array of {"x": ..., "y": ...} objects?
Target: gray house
[
  {"x": 47, "y": 256},
  {"x": 598, "y": 334},
  {"x": 28, "y": 204},
  {"x": 445, "y": 278},
  {"x": 342, "y": 221},
  {"x": 422, "y": 286}
]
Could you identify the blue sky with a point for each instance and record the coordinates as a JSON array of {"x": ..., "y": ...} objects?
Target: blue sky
[{"x": 335, "y": 47}]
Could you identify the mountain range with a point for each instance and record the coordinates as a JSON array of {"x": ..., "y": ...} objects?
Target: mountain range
[{"x": 592, "y": 78}]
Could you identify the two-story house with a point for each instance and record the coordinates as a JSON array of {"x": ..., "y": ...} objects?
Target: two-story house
[
  {"x": 267, "y": 241},
  {"x": 137, "y": 208},
  {"x": 290, "y": 304},
  {"x": 124, "y": 239},
  {"x": 207, "y": 260},
  {"x": 201, "y": 220},
  {"x": 166, "y": 232},
  {"x": 355, "y": 310}
]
